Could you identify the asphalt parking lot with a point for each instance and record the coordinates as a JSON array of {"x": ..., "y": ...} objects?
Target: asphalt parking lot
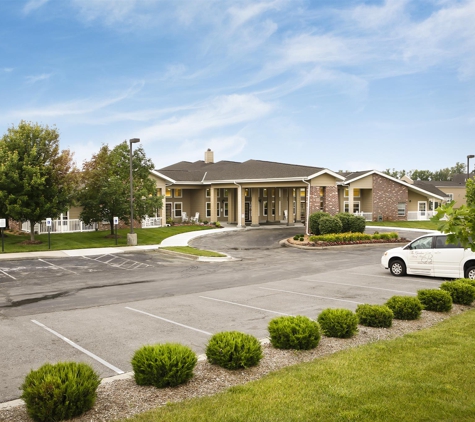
[{"x": 181, "y": 301}]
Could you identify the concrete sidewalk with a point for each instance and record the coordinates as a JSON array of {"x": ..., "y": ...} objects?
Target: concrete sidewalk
[{"x": 177, "y": 240}]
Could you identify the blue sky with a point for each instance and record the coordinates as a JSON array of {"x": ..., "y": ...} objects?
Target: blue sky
[{"x": 347, "y": 85}]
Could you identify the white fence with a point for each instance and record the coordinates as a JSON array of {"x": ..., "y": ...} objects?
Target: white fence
[
  {"x": 60, "y": 226},
  {"x": 419, "y": 215},
  {"x": 149, "y": 222}
]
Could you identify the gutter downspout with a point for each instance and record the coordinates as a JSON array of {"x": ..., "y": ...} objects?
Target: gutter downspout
[
  {"x": 308, "y": 208},
  {"x": 239, "y": 206}
]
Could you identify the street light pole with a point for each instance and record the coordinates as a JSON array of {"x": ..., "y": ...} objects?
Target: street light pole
[
  {"x": 468, "y": 165},
  {"x": 132, "y": 237}
]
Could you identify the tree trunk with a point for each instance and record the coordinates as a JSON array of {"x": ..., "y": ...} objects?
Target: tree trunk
[
  {"x": 111, "y": 222},
  {"x": 32, "y": 230}
]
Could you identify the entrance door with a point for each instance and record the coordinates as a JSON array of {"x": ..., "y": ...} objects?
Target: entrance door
[
  {"x": 168, "y": 210},
  {"x": 247, "y": 212},
  {"x": 422, "y": 208}
]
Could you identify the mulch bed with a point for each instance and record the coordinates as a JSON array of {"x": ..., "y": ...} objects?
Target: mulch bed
[{"x": 320, "y": 244}]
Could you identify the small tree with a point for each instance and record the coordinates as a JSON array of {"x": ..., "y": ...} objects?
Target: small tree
[
  {"x": 37, "y": 180},
  {"x": 105, "y": 191}
]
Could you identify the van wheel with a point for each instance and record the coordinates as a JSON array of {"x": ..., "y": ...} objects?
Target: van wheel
[
  {"x": 398, "y": 268},
  {"x": 470, "y": 273}
]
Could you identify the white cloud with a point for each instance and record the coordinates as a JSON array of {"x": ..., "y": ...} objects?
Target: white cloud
[
  {"x": 220, "y": 112},
  {"x": 8, "y": 69},
  {"x": 33, "y": 5},
  {"x": 37, "y": 78},
  {"x": 373, "y": 17}
]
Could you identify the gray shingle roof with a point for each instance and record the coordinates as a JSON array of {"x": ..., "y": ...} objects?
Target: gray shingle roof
[
  {"x": 429, "y": 187},
  {"x": 185, "y": 171}
]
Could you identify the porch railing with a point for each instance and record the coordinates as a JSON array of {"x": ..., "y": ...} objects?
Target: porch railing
[
  {"x": 60, "y": 226},
  {"x": 420, "y": 215},
  {"x": 149, "y": 222}
]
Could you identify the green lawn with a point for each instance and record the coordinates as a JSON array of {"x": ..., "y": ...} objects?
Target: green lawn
[
  {"x": 428, "y": 225},
  {"x": 99, "y": 239},
  {"x": 424, "y": 376},
  {"x": 193, "y": 251}
]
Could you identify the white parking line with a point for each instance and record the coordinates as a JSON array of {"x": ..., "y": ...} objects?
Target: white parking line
[
  {"x": 245, "y": 306},
  {"x": 167, "y": 320},
  {"x": 306, "y": 294},
  {"x": 55, "y": 266},
  {"x": 364, "y": 287},
  {"x": 401, "y": 279},
  {"x": 87, "y": 352},
  {"x": 8, "y": 275}
]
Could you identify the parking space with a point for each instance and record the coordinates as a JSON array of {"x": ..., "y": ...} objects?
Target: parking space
[{"x": 107, "y": 336}]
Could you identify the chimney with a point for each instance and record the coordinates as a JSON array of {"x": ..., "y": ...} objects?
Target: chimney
[{"x": 209, "y": 156}]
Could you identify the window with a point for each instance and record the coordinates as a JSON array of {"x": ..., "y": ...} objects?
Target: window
[
  {"x": 247, "y": 192},
  {"x": 401, "y": 209},
  {"x": 356, "y": 193},
  {"x": 168, "y": 210},
  {"x": 177, "y": 207},
  {"x": 302, "y": 193},
  {"x": 225, "y": 193},
  {"x": 322, "y": 198},
  {"x": 218, "y": 210},
  {"x": 264, "y": 193},
  {"x": 450, "y": 196},
  {"x": 433, "y": 205},
  {"x": 424, "y": 243},
  {"x": 159, "y": 191},
  {"x": 208, "y": 193},
  {"x": 208, "y": 209},
  {"x": 169, "y": 193},
  {"x": 226, "y": 208},
  {"x": 272, "y": 192},
  {"x": 273, "y": 208},
  {"x": 356, "y": 206},
  {"x": 218, "y": 192},
  {"x": 264, "y": 208},
  {"x": 441, "y": 243},
  {"x": 177, "y": 193}
]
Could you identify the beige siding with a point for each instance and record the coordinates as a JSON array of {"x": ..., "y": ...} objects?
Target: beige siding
[
  {"x": 323, "y": 180},
  {"x": 457, "y": 192},
  {"x": 74, "y": 213},
  {"x": 364, "y": 183},
  {"x": 414, "y": 198}
]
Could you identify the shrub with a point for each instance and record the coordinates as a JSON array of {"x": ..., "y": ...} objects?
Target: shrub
[
  {"x": 170, "y": 221},
  {"x": 329, "y": 225},
  {"x": 379, "y": 316},
  {"x": 163, "y": 365},
  {"x": 357, "y": 223},
  {"x": 435, "y": 300},
  {"x": 314, "y": 221},
  {"x": 233, "y": 350},
  {"x": 405, "y": 307},
  {"x": 344, "y": 217},
  {"x": 340, "y": 323},
  {"x": 60, "y": 391},
  {"x": 461, "y": 292},
  {"x": 294, "y": 332},
  {"x": 467, "y": 281}
]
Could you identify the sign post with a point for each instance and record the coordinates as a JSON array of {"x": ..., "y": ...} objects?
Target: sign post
[
  {"x": 3, "y": 224},
  {"x": 116, "y": 223},
  {"x": 48, "y": 224}
]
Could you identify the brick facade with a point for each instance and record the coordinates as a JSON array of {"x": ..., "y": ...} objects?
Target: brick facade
[
  {"x": 314, "y": 199},
  {"x": 386, "y": 196},
  {"x": 330, "y": 203}
]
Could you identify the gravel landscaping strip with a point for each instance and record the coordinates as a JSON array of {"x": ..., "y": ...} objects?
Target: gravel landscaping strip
[{"x": 123, "y": 398}]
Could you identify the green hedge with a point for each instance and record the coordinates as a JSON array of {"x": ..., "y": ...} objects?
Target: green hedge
[
  {"x": 294, "y": 332},
  {"x": 405, "y": 307},
  {"x": 60, "y": 391},
  {"x": 353, "y": 237},
  {"x": 462, "y": 292},
  {"x": 329, "y": 225},
  {"x": 234, "y": 350},
  {"x": 341, "y": 323},
  {"x": 314, "y": 221},
  {"x": 163, "y": 365},
  {"x": 379, "y": 316},
  {"x": 435, "y": 300}
]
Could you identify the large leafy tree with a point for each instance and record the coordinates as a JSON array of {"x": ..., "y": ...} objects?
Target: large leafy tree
[
  {"x": 37, "y": 180},
  {"x": 105, "y": 186},
  {"x": 444, "y": 174},
  {"x": 459, "y": 223}
]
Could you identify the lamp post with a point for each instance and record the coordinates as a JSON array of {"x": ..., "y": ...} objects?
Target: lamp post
[
  {"x": 468, "y": 165},
  {"x": 132, "y": 237}
]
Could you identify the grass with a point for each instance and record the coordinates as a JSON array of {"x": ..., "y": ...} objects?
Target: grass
[
  {"x": 423, "y": 376},
  {"x": 428, "y": 225},
  {"x": 99, "y": 239},
  {"x": 193, "y": 251}
]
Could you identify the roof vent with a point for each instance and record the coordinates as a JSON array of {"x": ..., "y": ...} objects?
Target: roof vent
[{"x": 209, "y": 156}]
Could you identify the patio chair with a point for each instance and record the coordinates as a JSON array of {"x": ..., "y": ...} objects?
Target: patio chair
[
  {"x": 196, "y": 218},
  {"x": 184, "y": 217}
]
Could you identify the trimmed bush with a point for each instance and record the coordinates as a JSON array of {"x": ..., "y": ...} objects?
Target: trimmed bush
[
  {"x": 435, "y": 300},
  {"x": 461, "y": 292},
  {"x": 163, "y": 365},
  {"x": 60, "y": 391},
  {"x": 234, "y": 350},
  {"x": 405, "y": 307},
  {"x": 294, "y": 332},
  {"x": 329, "y": 225},
  {"x": 341, "y": 323},
  {"x": 344, "y": 217},
  {"x": 314, "y": 221},
  {"x": 357, "y": 223},
  {"x": 379, "y": 316},
  {"x": 467, "y": 281}
]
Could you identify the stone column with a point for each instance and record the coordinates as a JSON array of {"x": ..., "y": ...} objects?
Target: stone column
[
  {"x": 240, "y": 208},
  {"x": 214, "y": 205},
  {"x": 298, "y": 205},
  {"x": 255, "y": 207},
  {"x": 350, "y": 199},
  {"x": 231, "y": 206},
  {"x": 290, "y": 207}
]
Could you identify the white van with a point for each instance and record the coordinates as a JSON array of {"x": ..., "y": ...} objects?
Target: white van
[{"x": 430, "y": 255}]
